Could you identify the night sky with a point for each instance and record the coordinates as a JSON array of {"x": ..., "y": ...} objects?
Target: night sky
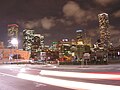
[{"x": 58, "y": 19}]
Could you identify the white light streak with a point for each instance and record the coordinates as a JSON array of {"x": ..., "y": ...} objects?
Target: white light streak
[
  {"x": 64, "y": 83},
  {"x": 68, "y": 84},
  {"x": 80, "y": 75}
]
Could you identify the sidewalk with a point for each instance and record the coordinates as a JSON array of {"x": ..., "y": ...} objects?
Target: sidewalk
[{"x": 54, "y": 66}]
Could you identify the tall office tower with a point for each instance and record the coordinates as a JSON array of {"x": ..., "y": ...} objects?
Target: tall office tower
[
  {"x": 28, "y": 36},
  {"x": 13, "y": 36},
  {"x": 35, "y": 48},
  {"x": 104, "y": 32},
  {"x": 42, "y": 42},
  {"x": 80, "y": 37},
  {"x": 38, "y": 42},
  {"x": 80, "y": 44}
]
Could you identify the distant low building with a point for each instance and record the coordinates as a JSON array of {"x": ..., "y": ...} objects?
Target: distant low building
[{"x": 24, "y": 55}]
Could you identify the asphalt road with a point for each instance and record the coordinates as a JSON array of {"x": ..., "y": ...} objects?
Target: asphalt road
[{"x": 28, "y": 77}]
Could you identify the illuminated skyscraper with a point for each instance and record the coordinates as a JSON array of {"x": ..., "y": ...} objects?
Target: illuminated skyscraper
[
  {"x": 80, "y": 44},
  {"x": 35, "y": 48},
  {"x": 28, "y": 36},
  {"x": 80, "y": 37},
  {"x": 104, "y": 32},
  {"x": 13, "y": 35},
  {"x": 34, "y": 43}
]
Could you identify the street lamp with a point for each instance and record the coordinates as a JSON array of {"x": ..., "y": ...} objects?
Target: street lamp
[{"x": 14, "y": 42}]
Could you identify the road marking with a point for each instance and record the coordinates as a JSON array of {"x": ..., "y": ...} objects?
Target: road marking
[
  {"x": 5, "y": 74},
  {"x": 39, "y": 84}
]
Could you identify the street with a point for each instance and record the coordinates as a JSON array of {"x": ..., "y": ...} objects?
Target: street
[{"x": 50, "y": 77}]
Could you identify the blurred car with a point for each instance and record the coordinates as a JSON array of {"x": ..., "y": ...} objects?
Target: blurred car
[{"x": 36, "y": 61}]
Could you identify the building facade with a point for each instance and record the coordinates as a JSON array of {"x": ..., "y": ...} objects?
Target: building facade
[
  {"x": 13, "y": 35},
  {"x": 104, "y": 32}
]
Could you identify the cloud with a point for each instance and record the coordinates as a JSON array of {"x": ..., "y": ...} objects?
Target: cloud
[
  {"x": 73, "y": 14},
  {"x": 29, "y": 24},
  {"x": 32, "y": 24},
  {"x": 73, "y": 10},
  {"x": 117, "y": 14},
  {"x": 47, "y": 23},
  {"x": 105, "y": 2},
  {"x": 65, "y": 21}
]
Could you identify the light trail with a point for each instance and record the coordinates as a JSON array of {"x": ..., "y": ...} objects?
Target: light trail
[
  {"x": 67, "y": 83},
  {"x": 80, "y": 75}
]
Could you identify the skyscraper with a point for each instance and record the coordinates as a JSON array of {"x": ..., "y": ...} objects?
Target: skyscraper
[
  {"x": 13, "y": 36},
  {"x": 28, "y": 36},
  {"x": 104, "y": 32}
]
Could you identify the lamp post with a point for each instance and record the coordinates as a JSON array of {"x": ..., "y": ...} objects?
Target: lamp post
[{"x": 14, "y": 42}]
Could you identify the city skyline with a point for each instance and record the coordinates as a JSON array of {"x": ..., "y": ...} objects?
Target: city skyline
[{"x": 57, "y": 19}]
